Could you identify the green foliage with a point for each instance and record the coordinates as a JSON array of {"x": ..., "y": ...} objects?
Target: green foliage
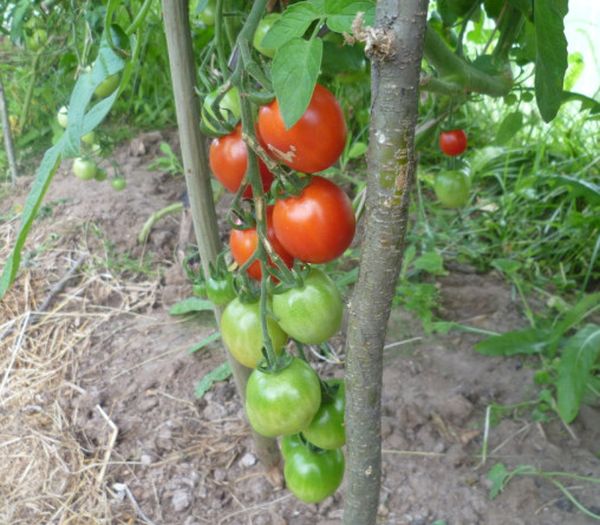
[
  {"x": 221, "y": 373},
  {"x": 191, "y": 305}
]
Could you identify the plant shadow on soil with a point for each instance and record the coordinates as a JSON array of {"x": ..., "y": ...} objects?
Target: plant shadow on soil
[{"x": 156, "y": 454}]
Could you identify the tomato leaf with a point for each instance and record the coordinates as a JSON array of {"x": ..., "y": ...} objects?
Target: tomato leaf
[
  {"x": 529, "y": 341},
  {"x": 293, "y": 23},
  {"x": 220, "y": 373},
  {"x": 189, "y": 305},
  {"x": 576, "y": 363},
  {"x": 215, "y": 336},
  {"x": 498, "y": 475},
  {"x": 295, "y": 70},
  {"x": 551, "y": 55},
  {"x": 341, "y": 14},
  {"x": 509, "y": 127}
]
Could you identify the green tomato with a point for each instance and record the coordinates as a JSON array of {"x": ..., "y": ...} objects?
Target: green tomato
[
  {"x": 207, "y": 15},
  {"x": 84, "y": 169},
  {"x": 221, "y": 291},
  {"x": 452, "y": 188},
  {"x": 313, "y": 475},
  {"x": 263, "y": 28},
  {"x": 89, "y": 138},
  {"x": 289, "y": 444},
  {"x": 107, "y": 86},
  {"x": 118, "y": 183},
  {"x": 242, "y": 333},
  {"x": 283, "y": 402},
  {"x": 100, "y": 175},
  {"x": 311, "y": 313},
  {"x": 37, "y": 40},
  {"x": 326, "y": 430},
  {"x": 63, "y": 117},
  {"x": 230, "y": 105}
]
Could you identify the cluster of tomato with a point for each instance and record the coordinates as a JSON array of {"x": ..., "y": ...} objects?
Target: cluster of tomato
[
  {"x": 312, "y": 226},
  {"x": 452, "y": 187},
  {"x": 84, "y": 167}
]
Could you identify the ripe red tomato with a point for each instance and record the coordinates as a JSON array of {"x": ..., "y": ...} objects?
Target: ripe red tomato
[
  {"x": 317, "y": 225},
  {"x": 228, "y": 159},
  {"x": 453, "y": 142},
  {"x": 315, "y": 142},
  {"x": 244, "y": 242}
]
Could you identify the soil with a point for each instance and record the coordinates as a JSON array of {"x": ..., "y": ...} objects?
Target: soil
[{"x": 160, "y": 455}]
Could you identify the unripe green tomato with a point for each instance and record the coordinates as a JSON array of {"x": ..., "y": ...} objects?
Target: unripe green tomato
[
  {"x": 100, "y": 175},
  {"x": 241, "y": 331},
  {"x": 229, "y": 105},
  {"x": 88, "y": 138},
  {"x": 452, "y": 188},
  {"x": 263, "y": 28},
  {"x": 107, "y": 86},
  {"x": 327, "y": 430},
  {"x": 118, "y": 183},
  {"x": 84, "y": 169},
  {"x": 37, "y": 40},
  {"x": 62, "y": 117}
]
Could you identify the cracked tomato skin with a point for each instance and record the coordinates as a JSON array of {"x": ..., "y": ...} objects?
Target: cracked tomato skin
[
  {"x": 243, "y": 243},
  {"x": 311, "y": 313},
  {"x": 242, "y": 333},
  {"x": 313, "y": 475},
  {"x": 327, "y": 430},
  {"x": 316, "y": 226},
  {"x": 284, "y": 402},
  {"x": 453, "y": 142},
  {"x": 228, "y": 158},
  {"x": 314, "y": 143}
]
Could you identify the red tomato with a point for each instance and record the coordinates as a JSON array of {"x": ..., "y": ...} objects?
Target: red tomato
[
  {"x": 316, "y": 226},
  {"x": 228, "y": 158},
  {"x": 243, "y": 243},
  {"x": 315, "y": 142},
  {"x": 453, "y": 142}
]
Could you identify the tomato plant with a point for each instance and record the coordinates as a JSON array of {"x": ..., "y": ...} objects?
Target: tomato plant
[
  {"x": 220, "y": 290},
  {"x": 315, "y": 142},
  {"x": 326, "y": 430},
  {"x": 453, "y": 142},
  {"x": 100, "y": 175},
  {"x": 84, "y": 169},
  {"x": 312, "y": 474},
  {"x": 243, "y": 243},
  {"x": 207, "y": 15},
  {"x": 318, "y": 225},
  {"x": 283, "y": 402},
  {"x": 229, "y": 107},
  {"x": 452, "y": 188},
  {"x": 107, "y": 86},
  {"x": 290, "y": 443},
  {"x": 242, "y": 334},
  {"x": 199, "y": 289},
  {"x": 310, "y": 313},
  {"x": 263, "y": 28},
  {"x": 228, "y": 159}
]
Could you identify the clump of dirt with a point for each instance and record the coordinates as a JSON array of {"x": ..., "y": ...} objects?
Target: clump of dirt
[{"x": 100, "y": 423}]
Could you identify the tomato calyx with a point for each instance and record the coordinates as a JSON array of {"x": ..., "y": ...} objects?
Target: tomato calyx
[{"x": 281, "y": 362}]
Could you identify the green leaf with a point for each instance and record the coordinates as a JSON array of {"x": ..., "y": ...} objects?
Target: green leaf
[
  {"x": 295, "y": 70},
  {"x": 580, "y": 188},
  {"x": 191, "y": 304},
  {"x": 498, "y": 475},
  {"x": 574, "y": 316},
  {"x": 431, "y": 262},
  {"x": 576, "y": 363},
  {"x": 586, "y": 102},
  {"x": 529, "y": 341},
  {"x": 220, "y": 373},
  {"x": 576, "y": 65},
  {"x": 341, "y": 14},
  {"x": 43, "y": 177},
  {"x": 551, "y": 56},
  {"x": 215, "y": 336},
  {"x": 293, "y": 23},
  {"x": 511, "y": 124},
  {"x": 357, "y": 150},
  {"x": 507, "y": 266}
]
